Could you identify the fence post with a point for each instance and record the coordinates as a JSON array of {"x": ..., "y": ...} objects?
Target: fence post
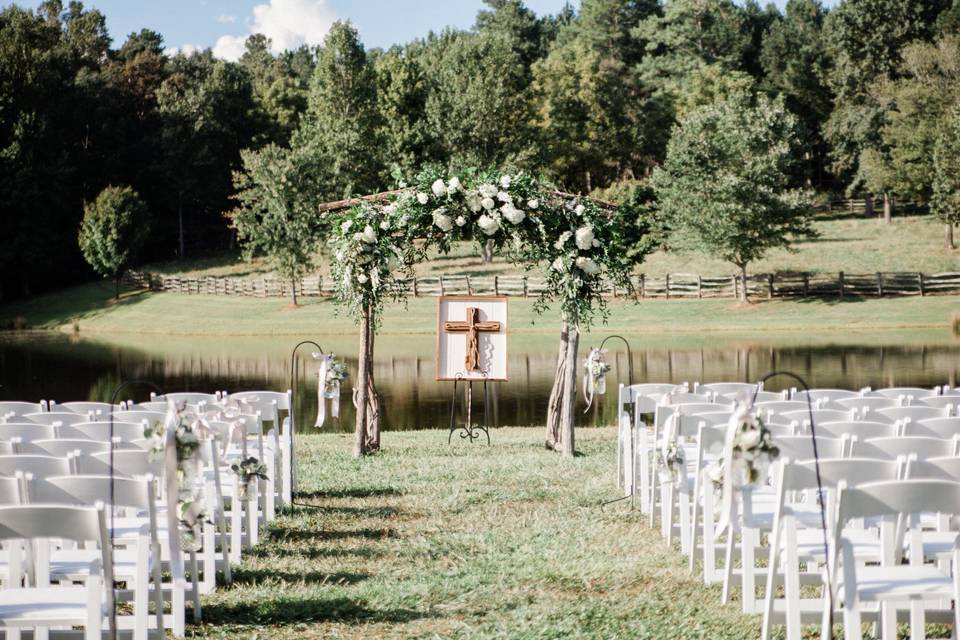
[
  {"x": 733, "y": 280},
  {"x": 496, "y": 285},
  {"x": 699, "y": 286},
  {"x": 667, "y": 287},
  {"x": 842, "y": 287},
  {"x": 526, "y": 291},
  {"x": 442, "y": 292},
  {"x": 769, "y": 286},
  {"x": 806, "y": 285},
  {"x": 920, "y": 282},
  {"x": 879, "y": 284},
  {"x": 613, "y": 285},
  {"x": 643, "y": 285},
  {"x": 469, "y": 287}
]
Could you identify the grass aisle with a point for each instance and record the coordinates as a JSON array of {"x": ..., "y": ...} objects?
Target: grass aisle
[{"x": 427, "y": 540}]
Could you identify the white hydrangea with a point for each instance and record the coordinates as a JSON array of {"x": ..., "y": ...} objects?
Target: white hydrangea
[
  {"x": 488, "y": 224},
  {"x": 503, "y": 196},
  {"x": 579, "y": 209},
  {"x": 369, "y": 235},
  {"x": 557, "y": 264},
  {"x": 454, "y": 185},
  {"x": 505, "y": 182},
  {"x": 442, "y": 220},
  {"x": 584, "y": 238},
  {"x": 345, "y": 227},
  {"x": 439, "y": 188},
  {"x": 596, "y": 243},
  {"x": 423, "y": 198},
  {"x": 533, "y": 203},
  {"x": 562, "y": 240},
  {"x": 362, "y": 278},
  {"x": 358, "y": 237},
  {"x": 390, "y": 209},
  {"x": 512, "y": 214},
  {"x": 385, "y": 224},
  {"x": 488, "y": 203},
  {"x": 487, "y": 190},
  {"x": 587, "y": 265},
  {"x": 460, "y": 221}
]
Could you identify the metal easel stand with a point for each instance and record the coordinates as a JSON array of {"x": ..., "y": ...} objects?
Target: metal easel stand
[{"x": 470, "y": 431}]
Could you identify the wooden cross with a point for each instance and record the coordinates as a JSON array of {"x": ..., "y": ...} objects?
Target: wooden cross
[{"x": 472, "y": 327}]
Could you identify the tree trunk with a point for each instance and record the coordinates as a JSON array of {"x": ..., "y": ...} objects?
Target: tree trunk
[
  {"x": 367, "y": 427},
  {"x": 116, "y": 287},
  {"x": 293, "y": 290},
  {"x": 561, "y": 406},
  {"x": 486, "y": 252},
  {"x": 868, "y": 205},
  {"x": 743, "y": 283},
  {"x": 948, "y": 236},
  {"x": 887, "y": 208},
  {"x": 180, "y": 224}
]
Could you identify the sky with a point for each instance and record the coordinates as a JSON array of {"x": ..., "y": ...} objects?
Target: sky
[{"x": 188, "y": 25}]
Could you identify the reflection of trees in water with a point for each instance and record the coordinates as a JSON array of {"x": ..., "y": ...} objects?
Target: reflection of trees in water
[{"x": 413, "y": 398}]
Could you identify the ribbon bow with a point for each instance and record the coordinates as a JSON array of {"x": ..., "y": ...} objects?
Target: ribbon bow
[
  {"x": 326, "y": 392},
  {"x": 594, "y": 383}
]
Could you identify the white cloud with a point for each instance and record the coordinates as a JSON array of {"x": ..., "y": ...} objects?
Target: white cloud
[
  {"x": 187, "y": 50},
  {"x": 288, "y": 24},
  {"x": 225, "y": 19}
]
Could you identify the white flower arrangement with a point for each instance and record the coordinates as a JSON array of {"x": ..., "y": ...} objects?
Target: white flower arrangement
[
  {"x": 671, "y": 460},
  {"x": 487, "y": 191},
  {"x": 247, "y": 471},
  {"x": 336, "y": 374},
  {"x": 752, "y": 446}
]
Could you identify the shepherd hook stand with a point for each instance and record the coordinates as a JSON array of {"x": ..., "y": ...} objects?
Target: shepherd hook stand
[
  {"x": 293, "y": 430},
  {"x": 633, "y": 487},
  {"x": 470, "y": 431}
]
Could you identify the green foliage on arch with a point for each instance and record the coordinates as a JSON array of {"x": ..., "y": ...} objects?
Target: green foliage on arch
[{"x": 580, "y": 245}]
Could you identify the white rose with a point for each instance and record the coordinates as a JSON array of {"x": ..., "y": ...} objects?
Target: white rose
[
  {"x": 487, "y": 190},
  {"x": 715, "y": 473},
  {"x": 505, "y": 182},
  {"x": 596, "y": 243},
  {"x": 442, "y": 220},
  {"x": 512, "y": 214},
  {"x": 369, "y": 235},
  {"x": 460, "y": 221},
  {"x": 503, "y": 196},
  {"x": 439, "y": 188},
  {"x": 488, "y": 203},
  {"x": 533, "y": 204},
  {"x": 587, "y": 265},
  {"x": 562, "y": 240},
  {"x": 358, "y": 237},
  {"x": 346, "y": 226},
  {"x": 584, "y": 238},
  {"x": 750, "y": 439},
  {"x": 390, "y": 209},
  {"x": 385, "y": 225},
  {"x": 423, "y": 198},
  {"x": 454, "y": 185},
  {"x": 579, "y": 209},
  {"x": 362, "y": 278},
  {"x": 473, "y": 202},
  {"x": 557, "y": 264},
  {"x": 488, "y": 224}
]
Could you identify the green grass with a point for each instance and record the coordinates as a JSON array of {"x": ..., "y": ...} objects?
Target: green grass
[
  {"x": 849, "y": 243},
  {"x": 89, "y": 309},
  {"x": 427, "y": 540}
]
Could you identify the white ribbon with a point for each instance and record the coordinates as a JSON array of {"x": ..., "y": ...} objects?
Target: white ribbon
[
  {"x": 172, "y": 493},
  {"x": 740, "y": 415},
  {"x": 591, "y": 385}
]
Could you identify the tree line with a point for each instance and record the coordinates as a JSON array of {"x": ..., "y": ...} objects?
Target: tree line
[{"x": 591, "y": 99}]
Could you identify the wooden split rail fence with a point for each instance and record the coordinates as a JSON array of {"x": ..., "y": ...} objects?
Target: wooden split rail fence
[{"x": 674, "y": 285}]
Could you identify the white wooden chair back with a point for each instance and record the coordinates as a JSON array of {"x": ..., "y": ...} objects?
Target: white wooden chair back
[
  {"x": 891, "y": 448},
  {"x": 865, "y": 403},
  {"x": 17, "y": 408},
  {"x": 933, "y": 427},
  {"x": 102, "y": 431},
  {"x": 63, "y": 447},
  {"x": 860, "y": 429},
  {"x": 907, "y": 392},
  {"x": 27, "y": 431},
  {"x": 830, "y": 395},
  {"x": 914, "y": 413},
  {"x": 39, "y": 466},
  {"x": 57, "y": 417},
  {"x": 801, "y": 447}
]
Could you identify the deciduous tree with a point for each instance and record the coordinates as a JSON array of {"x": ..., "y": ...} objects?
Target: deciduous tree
[{"x": 113, "y": 231}]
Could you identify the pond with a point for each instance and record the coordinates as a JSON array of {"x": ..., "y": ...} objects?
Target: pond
[{"x": 72, "y": 367}]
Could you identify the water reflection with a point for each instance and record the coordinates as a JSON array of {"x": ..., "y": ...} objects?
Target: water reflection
[{"x": 58, "y": 367}]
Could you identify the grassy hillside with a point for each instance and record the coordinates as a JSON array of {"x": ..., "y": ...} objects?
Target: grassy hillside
[
  {"x": 847, "y": 242},
  {"x": 89, "y": 309}
]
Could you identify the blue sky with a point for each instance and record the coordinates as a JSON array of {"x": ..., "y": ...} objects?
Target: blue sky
[{"x": 224, "y": 24}]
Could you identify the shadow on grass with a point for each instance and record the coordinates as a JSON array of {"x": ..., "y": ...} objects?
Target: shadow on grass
[
  {"x": 318, "y": 535},
  {"x": 71, "y": 305},
  {"x": 244, "y": 576},
  {"x": 352, "y": 492},
  {"x": 303, "y": 610},
  {"x": 314, "y": 552},
  {"x": 359, "y": 512}
]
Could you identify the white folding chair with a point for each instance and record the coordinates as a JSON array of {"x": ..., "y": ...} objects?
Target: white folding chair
[
  {"x": 933, "y": 427},
  {"x": 891, "y": 448},
  {"x": 860, "y": 429},
  {"x": 830, "y": 395},
  {"x": 17, "y": 408},
  {"x": 865, "y": 404},
  {"x": 43, "y": 606},
  {"x": 906, "y": 392},
  {"x": 891, "y": 585},
  {"x": 914, "y": 413},
  {"x": 104, "y": 431},
  {"x": 39, "y": 466},
  {"x": 56, "y": 417}
]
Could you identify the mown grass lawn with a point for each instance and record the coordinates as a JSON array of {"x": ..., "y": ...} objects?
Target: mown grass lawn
[{"x": 427, "y": 540}]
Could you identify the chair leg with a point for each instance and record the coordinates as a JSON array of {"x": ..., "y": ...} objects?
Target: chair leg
[
  {"x": 684, "y": 502},
  {"x": 748, "y": 584},
  {"x": 888, "y": 621},
  {"x": 728, "y": 566}
]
